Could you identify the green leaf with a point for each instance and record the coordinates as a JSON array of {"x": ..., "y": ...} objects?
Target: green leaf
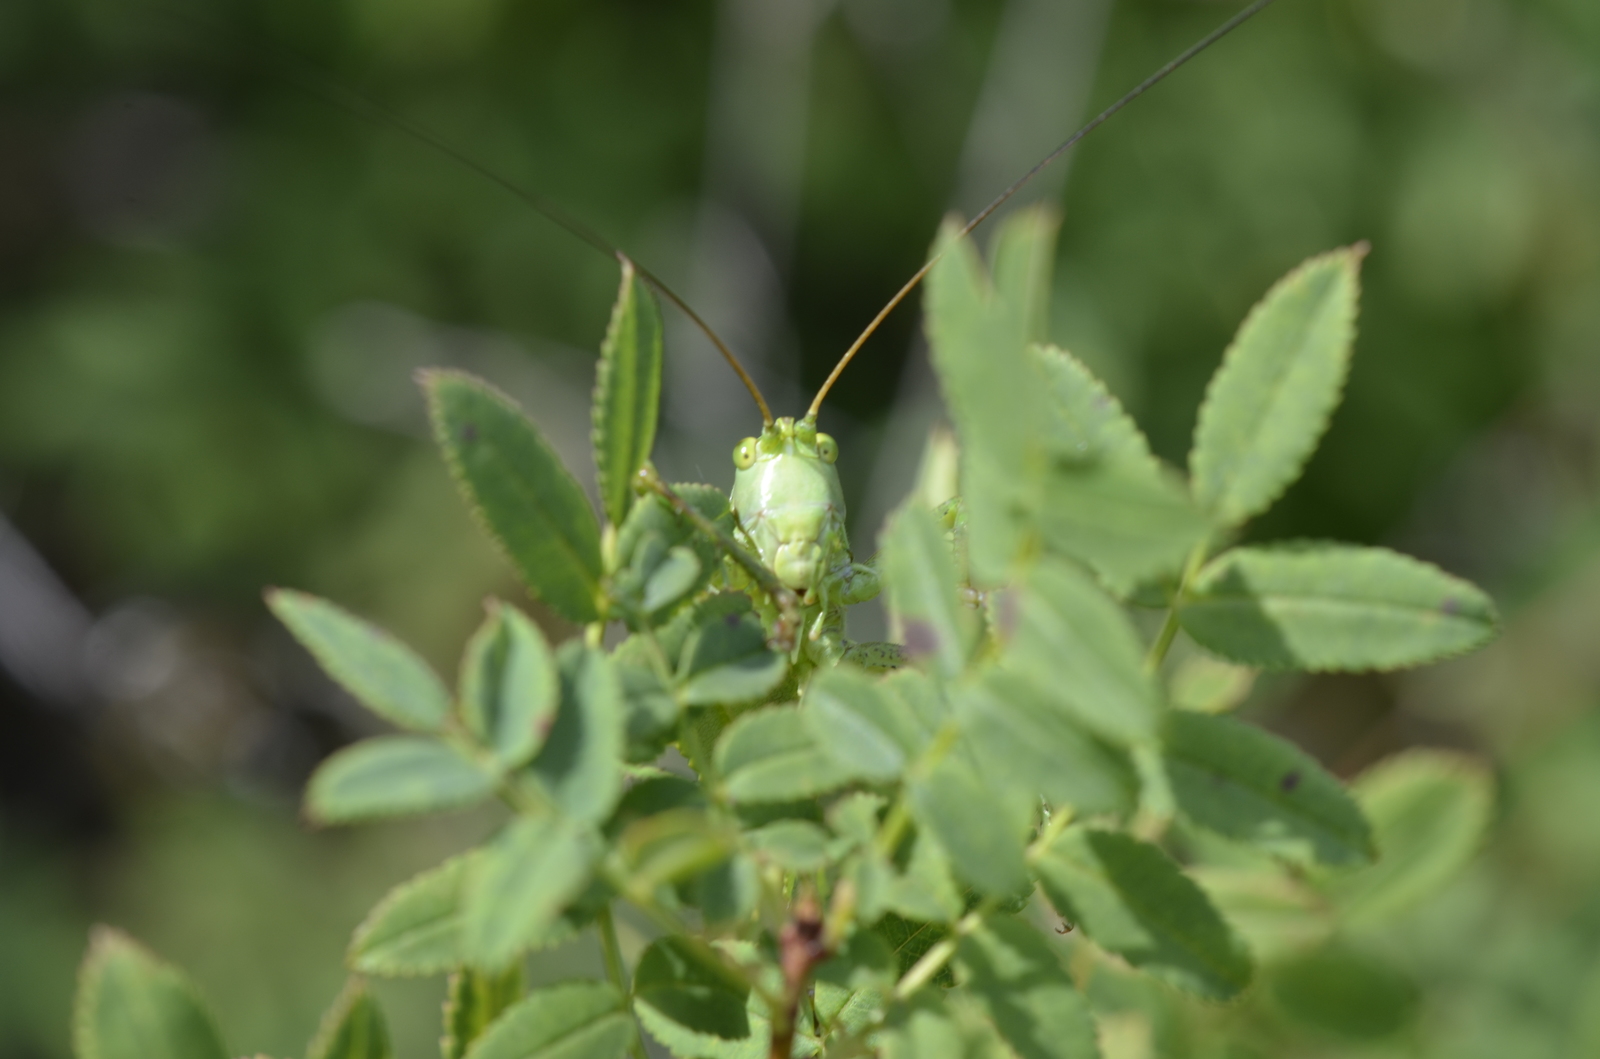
[
  {"x": 1276, "y": 913},
  {"x": 1088, "y": 423},
  {"x": 416, "y": 929},
  {"x": 654, "y": 548},
  {"x": 1022, "y": 987},
  {"x": 352, "y": 1029},
  {"x": 924, "y": 596},
  {"x": 573, "y": 1020},
  {"x": 1022, "y": 736},
  {"x": 1333, "y": 607},
  {"x": 1270, "y": 401},
  {"x": 473, "y": 1000},
  {"x": 725, "y": 660},
  {"x": 770, "y": 756},
  {"x": 530, "y": 504},
  {"x": 932, "y": 1027},
  {"x": 975, "y": 826},
  {"x": 685, "y": 984},
  {"x": 580, "y": 766},
  {"x": 1242, "y": 782},
  {"x": 1130, "y": 898},
  {"x": 673, "y": 845},
  {"x": 1078, "y": 646},
  {"x": 382, "y": 673},
  {"x": 508, "y": 685},
  {"x": 978, "y": 337},
  {"x": 793, "y": 845},
  {"x": 925, "y": 891},
  {"x": 130, "y": 1005},
  {"x": 394, "y": 775},
  {"x": 627, "y": 393},
  {"x": 1430, "y": 811},
  {"x": 1345, "y": 993},
  {"x": 868, "y": 731},
  {"x": 516, "y": 889}
]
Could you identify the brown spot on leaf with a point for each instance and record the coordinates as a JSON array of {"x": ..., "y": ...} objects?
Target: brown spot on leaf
[
  {"x": 921, "y": 638},
  {"x": 469, "y": 433},
  {"x": 1290, "y": 781}
]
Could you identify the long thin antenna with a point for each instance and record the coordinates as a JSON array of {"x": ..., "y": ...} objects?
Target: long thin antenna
[
  {"x": 360, "y": 105},
  {"x": 1000, "y": 200}
]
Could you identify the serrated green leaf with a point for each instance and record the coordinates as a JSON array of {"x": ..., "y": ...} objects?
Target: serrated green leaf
[
  {"x": 416, "y": 929},
  {"x": 509, "y": 688},
  {"x": 793, "y": 845},
  {"x": 530, "y": 504},
  {"x": 870, "y": 732},
  {"x": 978, "y": 335},
  {"x": 1023, "y": 989},
  {"x": 973, "y": 824},
  {"x": 1130, "y": 898},
  {"x": 653, "y": 550},
  {"x": 382, "y": 673},
  {"x": 1333, "y": 607},
  {"x": 726, "y": 894},
  {"x": 1078, "y": 646},
  {"x": 1088, "y": 423},
  {"x": 130, "y": 1005},
  {"x": 924, "y": 596},
  {"x": 684, "y": 1043},
  {"x": 517, "y": 887},
  {"x": 580, "y": 766},
  {"x": 1242, "y": 782},
  {"x": 573, "y": 1020},
  {"x": 394, "y": 775},
  {"x": 353, "y": 1028},
  {"x": 1269, "y": 402},
  {"x": 1021, "y": 736},
  {"x": 925, "y": 891},
  {"x": 627, "y": 393},
  {"x": 473, "y": 1000},
  {"x": 1430, "y": 811},
  {"x": 725, "y": 660},
  {"x": 770, "y": 756},
  {"x": 684, "y": 983}
]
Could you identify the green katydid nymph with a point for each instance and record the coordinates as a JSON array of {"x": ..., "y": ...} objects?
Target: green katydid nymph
[{"x": 790, "y": 508}]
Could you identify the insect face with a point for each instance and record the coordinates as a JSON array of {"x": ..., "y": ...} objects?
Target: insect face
[{"x": 787, "y": 498}]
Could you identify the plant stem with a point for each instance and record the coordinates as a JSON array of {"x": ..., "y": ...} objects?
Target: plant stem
[
  {"x": 934, "y": 959},
  {"x": 614, "y": 969},
  {"x": 1169, "y": 627}
]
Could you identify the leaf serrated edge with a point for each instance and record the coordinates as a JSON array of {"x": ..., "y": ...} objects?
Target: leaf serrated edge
[
  {"x": 104, "y": 942},
  {"x": 430, "y": 379},
  {"x": 396, "y": 895},
  {"x": 354, "y": 991},
  {"x": 1492, "y": 630},
  {"x": 1357, "y": 252},
  {"x": 630, "y": 291}
]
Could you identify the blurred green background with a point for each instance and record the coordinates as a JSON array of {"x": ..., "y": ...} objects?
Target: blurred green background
[{"x": 218, "y": 271}]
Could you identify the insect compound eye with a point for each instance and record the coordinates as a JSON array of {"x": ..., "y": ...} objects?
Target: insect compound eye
[
  {"x": 744, "y": 454},
  {"x": 827, "y": 448}
]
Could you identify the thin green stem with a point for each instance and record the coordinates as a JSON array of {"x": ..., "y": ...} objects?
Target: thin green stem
[
  {"x": 615, "y": 972},
  {"x": 934, "y": 959},
  {"x": 1169, "y": 627}
]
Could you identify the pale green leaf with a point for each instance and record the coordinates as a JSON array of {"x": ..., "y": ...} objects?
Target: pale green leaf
[
  {"x": 1021, "y": 735},
  {"x": 924, "y": 596},
  {"x": 1269, "y": 402},
  {"x": 1430, "y": 812},
  {"x": 580, "y": 765},
  {"x": 672, "y": 845},
  {"x": 684, "y": 982},
  {"x": 473, "y": 1000},
  {"x": 925, "y": 891},
  {"x": 508, "y": 685},
  {"x": 416, "y": 929},
  {"x": 770, "y": 756},
  {"x": 654, "y": 548},
  {"x": 725, "y": 660},
  {"x": 130, "y": 1005},
  {"x": 1023, "y": 989},
  {"x": 1088, "y": 423},
  {"x": 353, "y": 1028},
  {"x": 572, "y": 1020},
  {"x": 530, "y": 504},
  {"x": 627, "y": 393},
  {"x": 1275, "y": 912},
  {"x": 518, "y": 886},
  {"x": 394, "y": 775},
  {"x": 974, "y": 824},
  {"x": 1242, "y": 782},
  {"x": 382, "y": 673},
  {"x": 793, "y": 845},
  {"x": 1333, "y": 607},
  {"x": 870, "y": 732},
  {"x": 1130, "y": 898},
  {"x": 1078, "y": 646}
]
